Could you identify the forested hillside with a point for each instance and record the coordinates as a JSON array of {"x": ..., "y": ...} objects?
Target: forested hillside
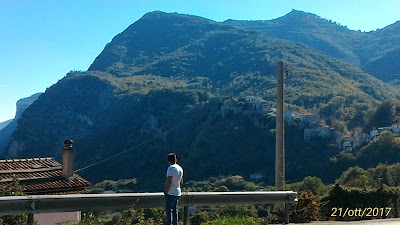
[
  {"x": 376, "y": 52},
  {"x": 173, "y": 82}
]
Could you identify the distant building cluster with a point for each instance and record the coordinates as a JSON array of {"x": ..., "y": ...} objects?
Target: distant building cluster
[
  {"x": 394, "y": 129},
  {"x": 261, "y": 106},
  {"x": 309, "y": 122},
  {"x": 250, "y": 104}
]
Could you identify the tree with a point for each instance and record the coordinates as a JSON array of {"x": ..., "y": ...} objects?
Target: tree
[
  {"x": 310, "y": 184},
  {"x": 354, "y": 177},
  {"x": 384, "y": 115},
  {"x": 250, "y": 186},
  {"x": 313, "y": 184},
  {"x": 15, "y": 189}
]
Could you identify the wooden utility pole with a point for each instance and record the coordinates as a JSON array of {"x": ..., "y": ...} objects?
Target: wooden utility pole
[{"x": 280, "y": 143}]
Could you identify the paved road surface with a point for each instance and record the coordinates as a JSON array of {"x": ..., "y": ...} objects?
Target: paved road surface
[{"x": 364, "y": 222}]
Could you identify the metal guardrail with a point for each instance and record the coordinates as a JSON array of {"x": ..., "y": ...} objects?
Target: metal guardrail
[{"x": 13, "y": 205}]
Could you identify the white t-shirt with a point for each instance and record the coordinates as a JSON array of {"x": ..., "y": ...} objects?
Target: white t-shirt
[{"x": 176, "y": 172}]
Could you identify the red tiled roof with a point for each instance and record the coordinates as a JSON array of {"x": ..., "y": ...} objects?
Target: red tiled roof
[{"x": 40, "y": 176}]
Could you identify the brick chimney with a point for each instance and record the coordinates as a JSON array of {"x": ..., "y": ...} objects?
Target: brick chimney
[{"x": 68, "y": 159}]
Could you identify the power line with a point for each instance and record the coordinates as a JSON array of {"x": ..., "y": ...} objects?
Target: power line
[{"x": 127, "y": 150}]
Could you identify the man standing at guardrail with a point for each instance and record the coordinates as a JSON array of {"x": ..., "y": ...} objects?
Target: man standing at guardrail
[{"x": 172, "y": 189}]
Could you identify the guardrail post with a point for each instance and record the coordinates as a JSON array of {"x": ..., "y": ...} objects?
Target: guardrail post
[
  {"x": 286, "y": 213},
  {"x": 396, "y": 213},
  {"x": 30, "y": 219},
  {"x": 186, "y": 215}
]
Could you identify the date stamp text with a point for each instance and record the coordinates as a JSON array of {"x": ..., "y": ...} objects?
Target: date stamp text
[{"x": 361, "y": 212}]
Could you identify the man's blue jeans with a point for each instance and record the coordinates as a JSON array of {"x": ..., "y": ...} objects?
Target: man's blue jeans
[{"x": 171, "y": 205}]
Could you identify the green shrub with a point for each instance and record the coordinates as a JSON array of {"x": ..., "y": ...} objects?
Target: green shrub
[
  {"x": 307, "y": 208},
  {"x": 237, "y": 221}
]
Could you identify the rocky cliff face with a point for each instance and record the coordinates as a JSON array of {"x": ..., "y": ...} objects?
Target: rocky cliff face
[
  {"x": 6, "y": 132},
  {"x": 5, "y": 123},
  {"x": 24, "y": 103}
]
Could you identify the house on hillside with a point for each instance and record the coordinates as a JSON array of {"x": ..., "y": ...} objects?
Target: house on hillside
[
  {"x": 45, "y": 176},
  {"x": 303, "y": 119},
  {"x": 347, "y": 143},
  {"x": 381, "y": 129},
  {"x": 396, "y": 129},
  {"x": 253, "y": 99},
  {"x": 361, "y": 139},
  {"x": 373, "y": 133},
  {"x": 259, "y": 104}
]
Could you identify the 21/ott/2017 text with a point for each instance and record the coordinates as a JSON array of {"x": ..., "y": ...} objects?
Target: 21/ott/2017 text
[{"x": 361, "y": 212}]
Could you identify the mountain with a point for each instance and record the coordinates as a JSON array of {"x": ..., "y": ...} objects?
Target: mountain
[
  {"x": 180, "y": 45},
  {"x": 7, "y": 131},
  {"x": 173, "y": 82},
  {"x": 4, "y": 124},
  {"x": 220, "y": 53},
  {"x": 376, "y": 52}
]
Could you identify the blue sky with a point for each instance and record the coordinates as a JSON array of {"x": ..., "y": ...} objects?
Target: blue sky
[{"x": 42, "y": 40}]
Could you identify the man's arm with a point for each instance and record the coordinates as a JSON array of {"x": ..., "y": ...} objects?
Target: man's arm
[{"x": 167, "y": 184}]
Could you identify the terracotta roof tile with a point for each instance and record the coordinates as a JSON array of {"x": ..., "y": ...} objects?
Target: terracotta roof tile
[{"x": 40, "y": 176}]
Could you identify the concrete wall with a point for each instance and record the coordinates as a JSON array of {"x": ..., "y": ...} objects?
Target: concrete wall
[{"x": 54, "y": 218}]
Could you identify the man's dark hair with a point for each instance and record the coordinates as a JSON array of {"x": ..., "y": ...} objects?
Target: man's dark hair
[{"x": 171, "y": 157}]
